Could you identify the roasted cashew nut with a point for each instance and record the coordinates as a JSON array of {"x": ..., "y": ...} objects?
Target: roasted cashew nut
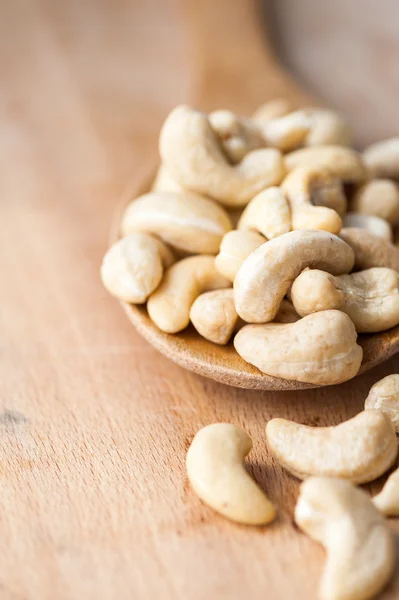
[
  {"x": 370, "y": 250},
  {"x": 191, "y": 152},
  {"x": 319, "y": 349},
  {"x": 237, "y": 136},
  {"x": 360, "y": 449},
  {"x": 374, "y": 224},
  {"x": 384, "y": 396},
  {"x": 214, "y": 315},
  {"x": 268, "y": 213},
  {"x": 382, "y": 158},
  {"x": 186, "y": 221},
  {"x": 370, "y": 298},
  {"x": 266, "y": 275},
  {"x": 379, "y": 197},
  {"x": 360, "y": 547},
  {"x": 343, "y": 163},
  {"x": 169, "y": 306},
  {"x": 133, "y": 267},
  {"x": 304, "y": 215},
  {"x": 236, "y": 246},
  {"x": 215, "y": 468}
]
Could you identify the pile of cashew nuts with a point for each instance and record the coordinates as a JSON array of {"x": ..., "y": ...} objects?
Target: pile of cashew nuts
[
  {"x": 271, "y": 229},
  {"x": 332, "y": 461}
]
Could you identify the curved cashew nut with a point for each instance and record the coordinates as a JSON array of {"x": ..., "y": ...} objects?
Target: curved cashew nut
[
  {"x": 379, "y": 197},
  {"x": 382, "y": 158},
  {"x": 164, "y": 182},
  {"x": 266, "y": 275},
  {"x": 236, "y": 246},
  {"x": 343, "y": 163},
  {"x": 374, "y": 224},
  {"x": 360, "y": 449},
  {"x": 370, "y": 250},
  {"x": 186, "y": 221},
  {"x": 360, "y": 546},
  {"x": 384, "y": 396},
  {"x": 387, "y": 501},
  {"x": 268, "y": 213},
  {"x": 237, "y": 136},
  {"x": 320, "y": 348},
  {"x": 327, "y": 128},
  {"x": 192, "y": 154},
  {"x": 214, "y": 315},
  {"x": 272, "y": 110},
  {"x": 304, "y": 215},
  {"x": 286, "y": 132},
  {"x": 133, "y": 267},
  {"x": 370, "y": 298},
  {"x": 217, "y": 474},
  {"x": 169, "y": 306}
]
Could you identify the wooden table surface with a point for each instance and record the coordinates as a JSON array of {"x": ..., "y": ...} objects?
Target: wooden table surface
[{"x": 94, "y": 422}]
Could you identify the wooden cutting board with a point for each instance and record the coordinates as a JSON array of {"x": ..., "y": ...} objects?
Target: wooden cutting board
[{"x": 94, "y": 422}]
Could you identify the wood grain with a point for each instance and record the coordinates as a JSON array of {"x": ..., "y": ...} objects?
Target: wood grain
[{"x": 94, "y": 422}]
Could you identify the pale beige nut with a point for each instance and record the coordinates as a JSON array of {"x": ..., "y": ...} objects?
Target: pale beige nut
[
  {"x": 133, "y": 267},
  {"x": 370, "y": 250},
  {"x": 304, "y": 215},
  {"x": 215, "y": 468},
  {"x": 361, "y": 552},
  {"x": 214, "y": 315},
  {"x": 192, "y": 154},
  {"x": 267, "y": 273},
  {"x": 186, "y": 221},
  {"x": 374, "y": 224},
  {"x": 319, "y": 349},
  {"x": 287, "y": 132},
  {"x": 379, "y": 197},
  {"x": 384, "y": 396},
  {"x": 387, "y": 501},
  {"x": 237, "y": 136},
  {"x": 286, "y": 313},
  {"x": 370, "y": 298},
  {"x": 359, "y": 450},
  {"x": 169, "y": 306},
  {"x": 382, "y": 158},
  {"x": 268, "y": 213},
  {"x": 236, "y": 246},
  {"x": 344, "y": 163},
  {"x": 272, "y": 110},
  {"x": 164, "y": 182},
  {"x": 327, "y": 127}
]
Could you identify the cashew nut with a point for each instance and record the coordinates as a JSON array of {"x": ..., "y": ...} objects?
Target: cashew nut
[
  {"x": 186, "y": 221},
  {"x": 192, "y": 154},
  {"x": 266, "y": 275},
  {"x": 215, "y": 468},
  {"x": 133, "y": 267},
  {"x": 370, "y": 298},
  {"x": 286, "y": 132},
  {"x": 384, "y": 395},
  {"x": 341, "y": 162},
  {"x": 319, "y": 349},
  {"x": 236, "y": 246},
  {"x": 169, "y": 306},
  {"x": 387, "y": 501},
  {"x": 272, "y": 110},
  {"x": 376, "y": 225},
  {"x": 382, "y": 158},
  {"x": 237, "y": 136},
  {"x": 327, "y": 128},
  {"x": 360, "y": 546},
  {"x": 329, "y": 192},
  {"x": 379, "y": 197},
  {"x": 370, "y": 250},
  {"x": 164, "y": 182},
  {"x": 304, "y": 215},
  {"x": 360, "y": 449},
  {"x": 214, "y": 315},
  {"x": 267, "y": 213}
]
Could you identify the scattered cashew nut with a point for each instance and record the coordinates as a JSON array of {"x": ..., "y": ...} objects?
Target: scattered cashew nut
[
  {"x": 360, "y": 547},
  {"x": 236, "y": 246},
  {"x": 169, "y": 306},
  {"x": 384, "y": 396},
  {"x": 360, "y": 449},
  {"x": 370, "y": 298},
  {"x": 215, "y": 468},
  {"x": 370, "y": 250},
  {"x": 133, "y": 267},
  {"x": 268, "y": 213},
  {"x": 214, "y": 315},
  {"x": 286, "y": 132},
  {"x": 267, "y": 273},
  {"x": 374, "y": 224},
  {"x": 343, "y": 163},
  {"x": 379, "y": 197},
  {"x": 319, "y": 349},
  {"x": 192, "y": 154},
  {"x": 186, "y": 221},
  {"x": 382, "y": 158}
]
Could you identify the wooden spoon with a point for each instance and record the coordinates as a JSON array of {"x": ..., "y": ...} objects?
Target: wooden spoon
[{"x": 233, "y": 67}]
